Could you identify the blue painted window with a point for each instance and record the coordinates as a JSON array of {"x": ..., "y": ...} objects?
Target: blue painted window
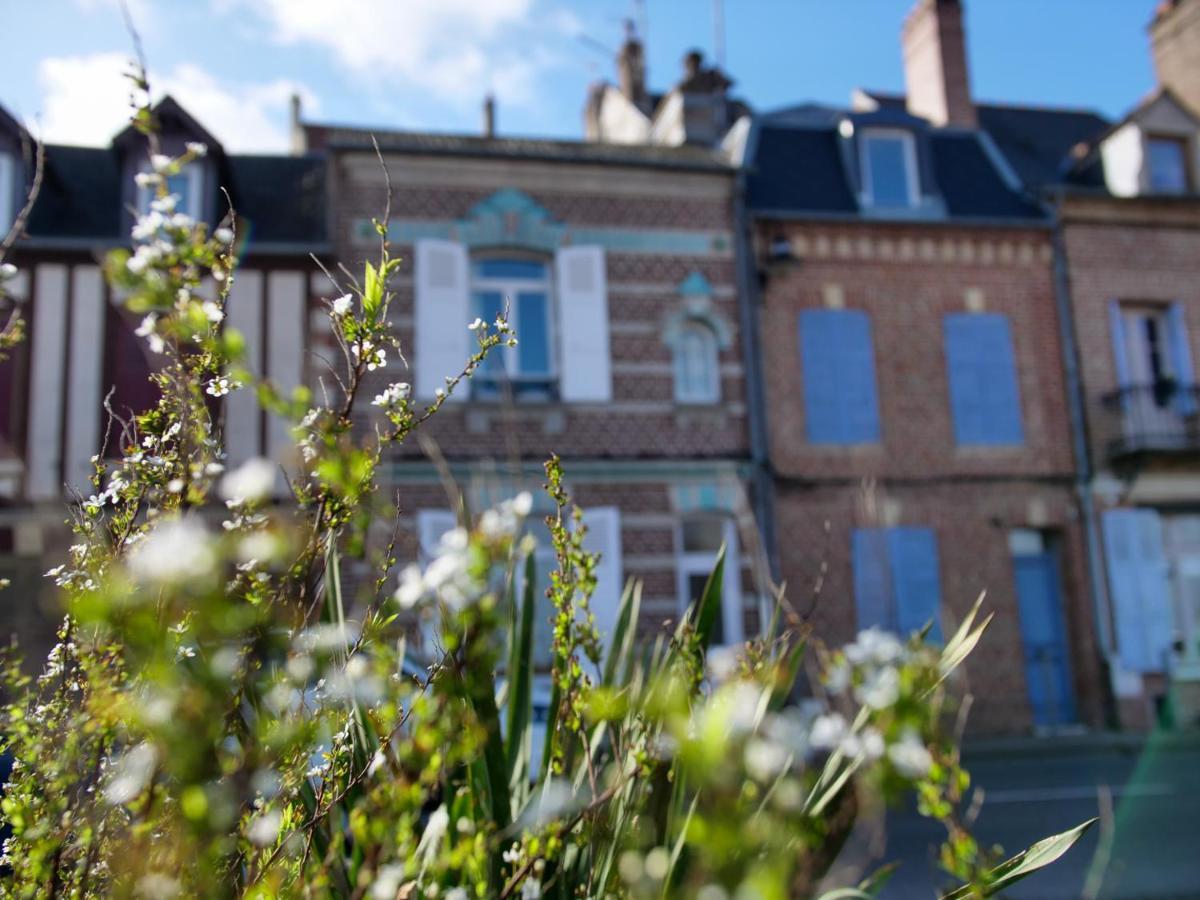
[
  {"x": 839, "y": 377},
  {"x": 520, "y": 288},
  {"x": 897, "y": 585},
  {"x": 982, "y": 373},
  {"x": 889, "y": 169}
]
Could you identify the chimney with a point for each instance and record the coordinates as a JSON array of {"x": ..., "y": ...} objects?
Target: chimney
[
  {"x": 1175, "y": 44},
  {"x": 935, "y": 64},
  {"x": 298, "y": 140},
  {"x": 631, "y": 67},
  {"x": 489, "y": 116}
]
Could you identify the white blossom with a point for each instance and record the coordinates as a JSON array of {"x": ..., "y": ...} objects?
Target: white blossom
[
  {"x": 875, "y": 646},
  {"x": 212, "y": 311},
  {"x": 250, "y": 482},
  {"x": 219, "y": 387},
  {"x": 174, "y": 551},
  {"x": 160, "y": 162},
  {"x": 910, "y": 756},
  {"x": 880, "y": 688},
  {"x": 264, "y": 828},
  {"x": 393, "y": 395},
  {"x": 387, "y": 882},
  {"x": 131, "y": 774},
  {"x": 374, "y": 357},
  {"x": 431, "y": 839},
  {"x": 477, "y": 324},
  {"x": 7, "y": 271},
  {"x": 828, "y": 731},
  {"x": 341, "y": 305},
  {"x": 146, "y": 179},
  {"x": 196, "y": 148},
  {"x": 223, "y": 235}
]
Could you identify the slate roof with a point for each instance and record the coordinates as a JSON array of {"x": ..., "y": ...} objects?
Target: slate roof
[
  {"x": 434, "y": 144},
  {"x": 1036, "y": 141},
  {"x": 799, "y": 167},
  {"x": 282, "y": 197}
]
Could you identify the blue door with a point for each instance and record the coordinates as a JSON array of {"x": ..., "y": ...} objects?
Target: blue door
[{"x": 1043, "y": 634}]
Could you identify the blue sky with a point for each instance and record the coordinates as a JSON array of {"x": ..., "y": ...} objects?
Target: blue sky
[{"x": 426, "y": 64}]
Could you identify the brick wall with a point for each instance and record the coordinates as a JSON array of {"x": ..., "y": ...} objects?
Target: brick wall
[{"x": 907, "y": 279}]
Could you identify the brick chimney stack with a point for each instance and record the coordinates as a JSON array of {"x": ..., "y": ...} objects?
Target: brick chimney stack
[
  {"x": 1175, "y": 44},
  {"x": 935, "y": 64}
]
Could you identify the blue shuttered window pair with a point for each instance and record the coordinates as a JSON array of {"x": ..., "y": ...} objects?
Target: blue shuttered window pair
[
  {"x": 982, "y": 373},
  {"x": 841, "y": 406},
  {"x": 897, "y": 585},
  {"x": 1179, "y": 355}
]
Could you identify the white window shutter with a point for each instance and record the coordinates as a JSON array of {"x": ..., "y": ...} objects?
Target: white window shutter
[
  {"x": 732, "y": 612},
  {"x": 431, "y": 525},
  {"x": 604, "y": 537},
  {"x": 441, "y": 316},
  {"x": 586, "y": 362}
]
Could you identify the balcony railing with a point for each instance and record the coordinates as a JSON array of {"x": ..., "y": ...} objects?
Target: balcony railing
[{"x": 1152, "y": 418}]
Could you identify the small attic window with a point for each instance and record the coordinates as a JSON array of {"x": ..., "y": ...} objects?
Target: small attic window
[
  {"x": 187, "y": 185},
  {"x": 8, "y": 192},
  {"x": 1167, "y": 160},
  {"x": 889, "y": 167}
]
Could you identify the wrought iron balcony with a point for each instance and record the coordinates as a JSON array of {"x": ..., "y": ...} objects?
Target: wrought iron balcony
[{"x": 1152, "y": 418}]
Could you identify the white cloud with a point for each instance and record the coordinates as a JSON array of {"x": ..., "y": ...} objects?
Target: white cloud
[
  {"x": 456, "y": 50},
  {"x": 85, "y": 100}
]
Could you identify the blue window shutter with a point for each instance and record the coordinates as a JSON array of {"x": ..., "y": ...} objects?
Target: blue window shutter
[
  {"x": 840, "y": 403},
  {"x": 1138, "y": 587},
  {"x": 1116, "y": 329},
  {"x": 1156, "y": 589},
  {"x": 982, "y": 373},
  {"x": 872, "y": 579},
  {"x": 818, "y": 355},
  {"x": 1181, "y": 360},
  {"x": 860, "y": 405},
  {"x": 916, "y": 579}
]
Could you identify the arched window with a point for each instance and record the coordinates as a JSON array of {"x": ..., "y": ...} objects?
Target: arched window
[{"x": 697, "y": 377}]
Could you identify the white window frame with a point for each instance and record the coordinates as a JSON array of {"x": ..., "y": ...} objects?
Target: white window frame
[
  {"x": 195, "y": 176},
  {"x": 701, "y": 563},
  {"x": 508, "y": 288},
  {"x": 910, "y": 165},
  {"x": 710, "y": 392},
  {"x": 8, "y": 191}
]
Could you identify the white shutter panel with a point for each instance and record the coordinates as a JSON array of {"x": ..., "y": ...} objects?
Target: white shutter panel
[
  {"x": 431, "y": 525},
  {"x": 586, "y": 363},
  {"x": 733, "y": 613},
  {"x": 604, "y": 537},
  {"x": 441, "y": 316}
]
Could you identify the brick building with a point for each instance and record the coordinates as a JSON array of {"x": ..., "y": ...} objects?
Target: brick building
[
  {"x": 80, "y": 341},
  {"x": 617, "y": 264},
  {"x": 920, "y": 434}
]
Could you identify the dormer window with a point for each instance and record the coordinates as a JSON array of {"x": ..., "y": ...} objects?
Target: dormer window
[
  {"x": 187, "y": 185},
  {"x": 1167, "y": 162},
  {"x": 889, "y": 169},
  {"x": 8, "y": 192}
]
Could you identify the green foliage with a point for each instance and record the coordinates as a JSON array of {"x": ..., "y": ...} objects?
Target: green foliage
[{"x": 221, "y": 718}]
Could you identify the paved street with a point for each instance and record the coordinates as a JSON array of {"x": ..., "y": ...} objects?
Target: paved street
[{"x": 1152, "y": 835}]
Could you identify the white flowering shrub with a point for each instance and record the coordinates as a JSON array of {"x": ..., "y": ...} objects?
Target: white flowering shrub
[{"x": 219, "y": 718}]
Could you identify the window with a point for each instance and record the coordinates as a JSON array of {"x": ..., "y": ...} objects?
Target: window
[
  {"x": 897, "y": 585},
  {"x": 1167, "y": 161},
  {"x": 984, "y": 397},
  {"x": 889, "y": 169},
  {"x": 187, "y": 185},
  {"x": 697, "y": 370},
  {"x": 522, "y": 286},
  {"x": 700, "y": 539},
  {"x": 8, "y": 192},
  {"x": 839, "y": 377}
]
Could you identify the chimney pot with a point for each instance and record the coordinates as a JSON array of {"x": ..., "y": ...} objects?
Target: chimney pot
[
  {"x": 298, "y": 141},
  {"x": 631, "y": 67},
  {"x": 692, "y": 62},
  {"x": 489, "y": 116}
]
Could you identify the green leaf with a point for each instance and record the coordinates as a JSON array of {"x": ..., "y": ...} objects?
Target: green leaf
[
  {"x": 520, "y": 681},
  {"x": 960, "y": 646},
  {"x": 877, "y": 880},
  {"x": 372, "y": 296},
  {"x": 625, "y": 632},
  {"x": 1025, "y": 863},
  {"x": 709, "y": 606}
]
